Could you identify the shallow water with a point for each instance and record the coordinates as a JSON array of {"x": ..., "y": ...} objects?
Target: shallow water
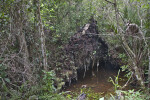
[{"x": 97, "y": 81}]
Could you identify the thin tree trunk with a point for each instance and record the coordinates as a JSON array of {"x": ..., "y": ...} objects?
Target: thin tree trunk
[
  {"x": 42, "y": 38},
  {"x": 131, "y": 53}
]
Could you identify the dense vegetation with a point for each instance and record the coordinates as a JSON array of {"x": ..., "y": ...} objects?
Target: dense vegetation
[{"x": 33, "y": 33}]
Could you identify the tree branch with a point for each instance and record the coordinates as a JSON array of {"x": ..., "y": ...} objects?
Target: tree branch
[{"x": 110, "y": 2}]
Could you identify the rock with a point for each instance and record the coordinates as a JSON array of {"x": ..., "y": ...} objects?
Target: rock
[
  {"x": 101, "y": 98},
  {"x": 81, "y": 96},
  {"x": 83, "y": 86}
]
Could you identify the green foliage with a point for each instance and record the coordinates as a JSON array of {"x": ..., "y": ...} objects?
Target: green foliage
[
  {"x": 116, "y": 81},
  {"x": 147, "y": 22},
  {"x": 48, "y": 85},
  {"x": 91, "y": 94},
  {"x": 3, "y": 81},
  {"x": 3, "y": 74},
  {"x": 47, "y": 90},
  {"x": 125, "y": 68},
  {"x": 48, "y": 80},
  {"x": 44, "y": 91},
  {"x": 130, "y": 13},
  {"x": 127, "y": 95},
  {"x": 123, "y": 57},
  {"x": 62, "y": 18},
  {"x": 70, "y": 95},
  {"x": 133, "y": 95}
]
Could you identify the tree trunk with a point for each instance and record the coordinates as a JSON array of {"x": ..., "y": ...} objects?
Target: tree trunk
[
  {"x": 42, "y": 37},
  {"x": 18, "y": 15},
  {"x": 129, "y": 51}
]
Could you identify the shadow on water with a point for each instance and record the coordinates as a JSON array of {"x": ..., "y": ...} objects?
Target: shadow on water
[{"x": 96, "y": 80}]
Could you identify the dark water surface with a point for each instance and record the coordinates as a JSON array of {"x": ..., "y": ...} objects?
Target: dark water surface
[{"x": 97, "y": 81}]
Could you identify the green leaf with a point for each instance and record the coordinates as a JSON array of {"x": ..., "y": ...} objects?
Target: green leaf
[
  {"x": 7, "y": 80},
  {"x": 145, "y": 6}
]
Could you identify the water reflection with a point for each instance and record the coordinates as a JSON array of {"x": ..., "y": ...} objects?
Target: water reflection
[{"x": 96, "y": 80}]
